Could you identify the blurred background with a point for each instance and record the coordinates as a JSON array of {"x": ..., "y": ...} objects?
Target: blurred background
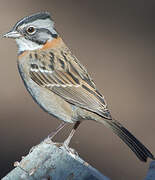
[{"x": 114, "y": 40}]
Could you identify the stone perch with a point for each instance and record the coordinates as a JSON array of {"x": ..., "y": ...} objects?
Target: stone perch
[
  {"x": 151, "y": 172},
  {"x": 51, "y": 161}
]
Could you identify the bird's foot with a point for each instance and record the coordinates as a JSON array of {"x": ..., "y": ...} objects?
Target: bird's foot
[
  {"x": 49, "y": 141},
  {"x": 68, "y": 149},
  {"x": 64, "y": 145},
  {"x": 46, "y": 140},
  {"x": 32, "y": 148}
]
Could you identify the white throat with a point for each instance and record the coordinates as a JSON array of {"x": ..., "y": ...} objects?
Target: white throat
[{"x": 25, "y": 45}]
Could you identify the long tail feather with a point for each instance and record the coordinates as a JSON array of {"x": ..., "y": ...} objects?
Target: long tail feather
[{"x": 134, "y": 144}]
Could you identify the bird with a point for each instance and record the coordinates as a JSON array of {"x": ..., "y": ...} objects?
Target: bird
[{"x": 59, "y": 83}]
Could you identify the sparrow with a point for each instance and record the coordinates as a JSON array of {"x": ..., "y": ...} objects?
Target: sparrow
[{"x": 59, "y": 83}]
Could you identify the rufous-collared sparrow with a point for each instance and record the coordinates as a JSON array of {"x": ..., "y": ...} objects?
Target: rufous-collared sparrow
[{"x": 59, "y": 83}]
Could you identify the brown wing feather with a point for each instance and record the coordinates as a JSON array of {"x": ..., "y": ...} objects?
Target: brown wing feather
[{"x": 70, "y": 80}]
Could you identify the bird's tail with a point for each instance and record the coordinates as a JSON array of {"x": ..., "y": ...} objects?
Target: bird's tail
[{"x": 134, "y": 144}]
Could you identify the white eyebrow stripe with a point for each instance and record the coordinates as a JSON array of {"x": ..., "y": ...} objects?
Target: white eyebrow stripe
[
  {"x": 42, "y": 23},
  {"x": 46, "y": 23}
]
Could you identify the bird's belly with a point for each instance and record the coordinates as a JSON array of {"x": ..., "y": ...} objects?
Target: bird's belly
[{"x": 50, "y": 102}]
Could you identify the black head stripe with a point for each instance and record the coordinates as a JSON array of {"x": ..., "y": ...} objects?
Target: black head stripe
[
  {"x": 37, "y": 38},
  {"x": 28, "y": 19}
]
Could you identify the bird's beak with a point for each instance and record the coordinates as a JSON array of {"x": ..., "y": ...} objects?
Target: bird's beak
[{"x": 12, "y": 34}]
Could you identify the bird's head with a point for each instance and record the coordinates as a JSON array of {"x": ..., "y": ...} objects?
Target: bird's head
[{"x": 33, "y": 32}]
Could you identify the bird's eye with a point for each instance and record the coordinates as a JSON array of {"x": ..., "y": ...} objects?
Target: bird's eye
[{"x": 31, "y": 30}]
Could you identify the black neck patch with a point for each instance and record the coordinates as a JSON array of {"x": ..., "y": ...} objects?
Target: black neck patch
[{"x": 54, "y": 35}]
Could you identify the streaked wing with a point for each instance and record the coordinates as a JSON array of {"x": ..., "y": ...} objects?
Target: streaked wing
[{"x": 66, "y": 80}]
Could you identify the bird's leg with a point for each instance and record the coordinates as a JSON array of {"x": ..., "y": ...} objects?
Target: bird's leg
[
  {"x": 67, "y": 141},
  {"x": 52, "y": 134}
]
